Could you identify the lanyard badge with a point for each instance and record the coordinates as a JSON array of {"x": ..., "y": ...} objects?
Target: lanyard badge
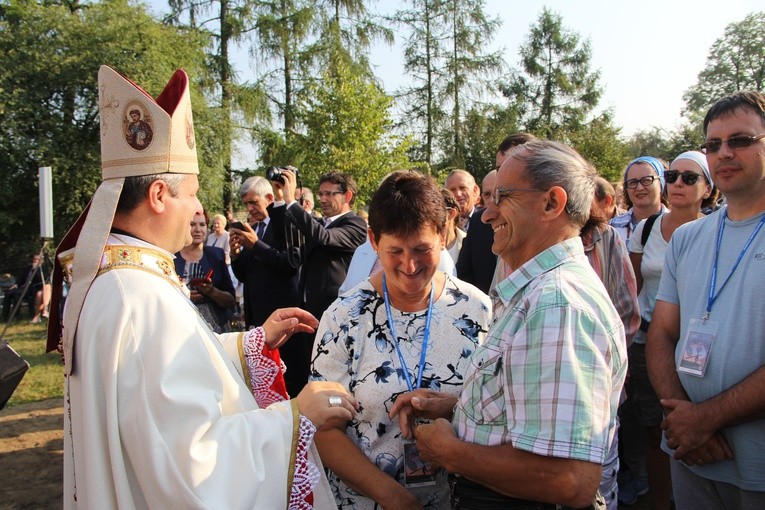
[{"x": 417, "y": 472}]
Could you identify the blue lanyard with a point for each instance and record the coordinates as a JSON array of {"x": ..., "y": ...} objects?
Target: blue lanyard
[
  {"x": 712, "y": 296},
  {"x": 425, "y": 338}
]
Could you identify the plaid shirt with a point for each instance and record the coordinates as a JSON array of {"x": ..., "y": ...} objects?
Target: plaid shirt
[{"x": 548, "y": 377}]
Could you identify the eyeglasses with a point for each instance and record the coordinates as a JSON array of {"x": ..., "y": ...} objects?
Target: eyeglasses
[
  {"x": 645, "y": 181},
  {"x": 734, "y": 142},
  {"x": 327, "y": 194},
  {"x": 499, "y": 193},
  {"x": 689, "y": 178}
]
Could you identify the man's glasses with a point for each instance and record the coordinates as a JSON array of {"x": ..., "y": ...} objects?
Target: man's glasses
[
  {"x": 645, "y": 181},
  {"x": 689, "y": 178},
  {"x": 327, "y": 194},
  {"x": 734, "y": 142},
  {"x": 499, "y": 193}
]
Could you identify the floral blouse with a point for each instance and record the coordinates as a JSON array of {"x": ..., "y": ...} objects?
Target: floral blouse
[{"x": 354, "y": 347}]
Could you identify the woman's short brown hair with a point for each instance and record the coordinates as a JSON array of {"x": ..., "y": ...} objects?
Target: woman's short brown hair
[{"x": 404, "y": 203}]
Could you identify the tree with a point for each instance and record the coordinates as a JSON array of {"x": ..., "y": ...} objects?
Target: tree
[
  {"x": 347, "y": 30},
  {"x": 469, "y": 69},
  {"x": 484, "y": 128},
  {"x": 347, "y": 122},
  {"x": 232, "y": 21},
  {"x": 49, "y": 60},
  {"x": 423, "y": 53},
  {"x": 736, "y": 61},
  {"x": 555, "y": 91},
  {"x": 599, "y": 142},
  {"x": 283, "y": 27}
]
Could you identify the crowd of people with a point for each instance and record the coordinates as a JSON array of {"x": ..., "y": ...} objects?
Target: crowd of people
[{"x": 545, "y": 340}]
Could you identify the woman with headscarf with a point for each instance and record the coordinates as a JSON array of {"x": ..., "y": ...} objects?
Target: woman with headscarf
[
  {"x": 689, "y": 188},
  {"x": 409, "y": 326},
  {"x": 643, "y": 194}
]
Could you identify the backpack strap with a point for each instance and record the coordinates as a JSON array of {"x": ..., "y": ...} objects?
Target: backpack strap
[{"x": 648, "y": 226}]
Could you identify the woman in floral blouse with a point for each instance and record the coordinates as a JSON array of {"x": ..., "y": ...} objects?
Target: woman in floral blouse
[{"x": 376, "y": 338}]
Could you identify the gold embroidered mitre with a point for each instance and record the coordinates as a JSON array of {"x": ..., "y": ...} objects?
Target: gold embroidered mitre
[{"x": 141, "y": 136}]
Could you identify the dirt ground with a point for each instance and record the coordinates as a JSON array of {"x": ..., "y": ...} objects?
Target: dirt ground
[{"x": 31, "y": 455}]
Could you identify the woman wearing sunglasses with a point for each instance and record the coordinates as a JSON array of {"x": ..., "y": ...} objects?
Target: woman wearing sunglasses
[
  {"x": 689, "y": 188},
  {"x": 643, "y": 189}
]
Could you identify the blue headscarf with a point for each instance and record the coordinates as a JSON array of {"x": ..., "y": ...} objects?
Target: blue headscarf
[
  {"x": 649, "y": 160},
  {"x": 701, "y": 160}
]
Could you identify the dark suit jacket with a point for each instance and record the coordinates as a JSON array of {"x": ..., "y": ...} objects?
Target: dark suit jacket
[
  {"x": 476, "y": 262},
  {"x": 328, "y": 253},
  {"x": 269, "y": 275}
]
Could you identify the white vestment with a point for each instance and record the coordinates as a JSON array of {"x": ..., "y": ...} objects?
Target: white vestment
[{"x": 158, "y": 413}]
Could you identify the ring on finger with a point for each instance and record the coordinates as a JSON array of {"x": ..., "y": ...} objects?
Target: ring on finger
[{"x": 335, "y": 401}]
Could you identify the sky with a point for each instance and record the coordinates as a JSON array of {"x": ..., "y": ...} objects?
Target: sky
[{"x": 649, "y": 52}]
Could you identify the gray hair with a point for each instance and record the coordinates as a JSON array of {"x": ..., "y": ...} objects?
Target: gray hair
[
  {"x": 551, "y": 164},
  {"x": 256, "y": 184},
  {"x": 136, "y": 187},
  {"x": 307, "y": 193}
]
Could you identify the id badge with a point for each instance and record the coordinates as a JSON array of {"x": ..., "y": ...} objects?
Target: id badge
[
  {"x": 417, "y": 472},
  {"x": 697, "y": 347}
]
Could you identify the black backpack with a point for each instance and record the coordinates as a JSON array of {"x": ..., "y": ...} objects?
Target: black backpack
[{"x": 648, "y": 226}]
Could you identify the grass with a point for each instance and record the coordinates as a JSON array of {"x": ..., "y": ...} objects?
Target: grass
[{"x": 45, "y": 377}]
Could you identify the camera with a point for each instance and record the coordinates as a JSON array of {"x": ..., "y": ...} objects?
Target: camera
[{"x": 275, "y": 173}]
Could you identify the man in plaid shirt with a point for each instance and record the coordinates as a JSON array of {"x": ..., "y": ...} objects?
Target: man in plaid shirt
[{"x": 537, "y": 412}]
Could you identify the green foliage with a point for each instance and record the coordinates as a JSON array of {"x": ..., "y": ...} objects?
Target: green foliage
[
  {"x": 664, "y": 144},
  {"x": 445, "y": 55},
  {"x": 230, "y": 22},
  {"x": 347, "y": 123},
  {"x": 483, "y": 129},
  {"x": 736, "y": 61},
  {"x": 555, "y": 91},
  {"x": 598, "y": 141},
  {"x": 423, "y": 52},
  {"x": 470, "y": 70},
  {"x": 49, "y": 60}
]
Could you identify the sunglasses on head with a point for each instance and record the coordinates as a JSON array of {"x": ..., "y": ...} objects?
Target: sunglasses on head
[
  {"x": 689, "y": 178},
  {"x": 734, "y": 142}
]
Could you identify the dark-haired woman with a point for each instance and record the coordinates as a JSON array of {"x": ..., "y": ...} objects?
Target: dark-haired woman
[{"x": 409, "y": 326}]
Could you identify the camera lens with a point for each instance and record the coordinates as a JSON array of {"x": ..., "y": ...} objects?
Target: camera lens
[{"x": 274, "y": 174}]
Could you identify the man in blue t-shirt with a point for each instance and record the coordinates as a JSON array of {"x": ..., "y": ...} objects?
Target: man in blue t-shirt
[{"x": 706, "y": 348}]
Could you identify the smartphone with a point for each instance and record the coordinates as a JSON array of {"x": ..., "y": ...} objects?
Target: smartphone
[
  {"x": 195, "y": 282},
  {"x": 238, "y": 225}
]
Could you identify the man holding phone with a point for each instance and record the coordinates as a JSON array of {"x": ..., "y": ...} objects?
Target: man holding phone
[{"x": 259, "y": 254}]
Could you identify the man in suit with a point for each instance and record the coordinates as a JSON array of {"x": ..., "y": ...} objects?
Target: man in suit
[
  {"x": 476, "y": 261},
  {"x": 462, "y": 185},
  {"x": 259, "y": 255},
  {"x": 329, "y": 244}
]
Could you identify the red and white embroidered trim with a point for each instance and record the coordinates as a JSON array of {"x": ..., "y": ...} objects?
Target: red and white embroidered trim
[
  {"x": 307, "y": 475},
  {"x": 263, "y": 370}
]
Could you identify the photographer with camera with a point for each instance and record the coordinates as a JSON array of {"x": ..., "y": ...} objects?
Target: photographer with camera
[
  {"x": 328, "y": 246},
  {"x": 260, "y": 257}
]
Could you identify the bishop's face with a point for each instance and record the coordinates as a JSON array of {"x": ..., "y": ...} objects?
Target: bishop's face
[{"x": 181, "y": 209}]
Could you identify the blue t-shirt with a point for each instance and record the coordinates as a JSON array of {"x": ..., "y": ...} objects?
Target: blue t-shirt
[{"x": 739, "y": 310}]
